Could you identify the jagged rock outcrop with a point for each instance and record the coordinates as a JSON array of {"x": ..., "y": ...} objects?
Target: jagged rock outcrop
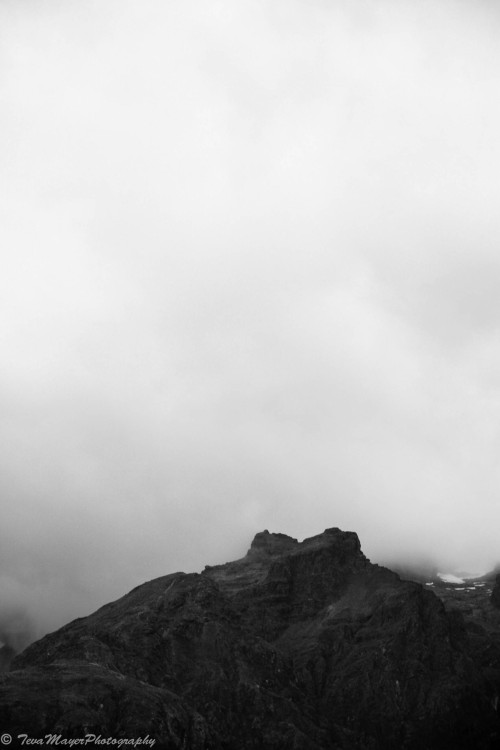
[{"x": 297, "y": 645}]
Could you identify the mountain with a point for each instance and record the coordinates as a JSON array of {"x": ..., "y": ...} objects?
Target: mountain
[
  {"x": 7, "y": 654},
  {"x": 490, "y": 575},
  {"x": 495, "y": 594},
  {"x": 421, "y": 572},
  {"x": 303, "y": 645}
]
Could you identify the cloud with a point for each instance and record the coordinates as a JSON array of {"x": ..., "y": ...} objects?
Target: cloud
[{"x": 249, "y": 280}]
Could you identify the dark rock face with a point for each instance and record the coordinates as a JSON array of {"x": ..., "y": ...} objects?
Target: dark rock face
[
  {"x": 495, "y": 594},
  {"x": 7, "y": 654},
  {"x": 297, "y": 645}
]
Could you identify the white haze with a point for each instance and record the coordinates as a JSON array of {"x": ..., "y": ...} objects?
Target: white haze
[{"x": 250, "y": 279}]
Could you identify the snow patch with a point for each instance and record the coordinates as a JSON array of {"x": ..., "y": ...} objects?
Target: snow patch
[{"x": 450, "y": 578}]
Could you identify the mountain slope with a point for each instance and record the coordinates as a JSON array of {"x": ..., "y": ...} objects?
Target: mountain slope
[{"x": 297, "y": 645}]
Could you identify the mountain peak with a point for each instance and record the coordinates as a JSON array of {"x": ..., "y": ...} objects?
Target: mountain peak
[
  {"x": 297, "y": 644},
  {"x": 274, "y": 544},
  {"x": 271, "y": 544}
]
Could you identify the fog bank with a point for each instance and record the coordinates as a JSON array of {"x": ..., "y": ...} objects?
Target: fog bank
[{"x": 250, "y": 280}]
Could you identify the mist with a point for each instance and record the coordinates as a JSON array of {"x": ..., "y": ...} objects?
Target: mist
[{"x": 250, "y": 279}]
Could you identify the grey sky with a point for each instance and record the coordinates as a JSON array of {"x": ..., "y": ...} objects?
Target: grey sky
[{"x": 250, "y": 279}]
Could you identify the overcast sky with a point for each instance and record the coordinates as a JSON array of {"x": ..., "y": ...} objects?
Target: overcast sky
[{"x": 250, "y": 279}]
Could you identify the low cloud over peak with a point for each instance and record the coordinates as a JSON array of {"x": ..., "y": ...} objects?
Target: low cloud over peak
[{"x": 248, "y": 281}]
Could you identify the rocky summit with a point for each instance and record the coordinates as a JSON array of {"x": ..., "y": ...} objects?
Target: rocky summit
[{"x": 298, "y": 645}]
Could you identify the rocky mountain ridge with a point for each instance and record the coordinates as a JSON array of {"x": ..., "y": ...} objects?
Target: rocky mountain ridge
[{"x": 304, "y": 645}]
